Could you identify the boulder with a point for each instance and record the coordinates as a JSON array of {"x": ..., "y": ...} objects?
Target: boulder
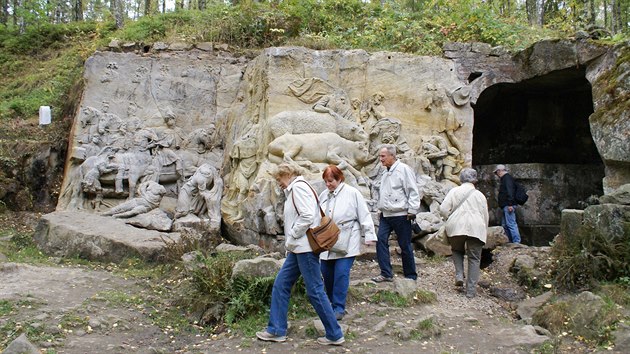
[
  {"x": 405, "y": 287},
  {"x": 528, "y": 307},
  {"x": 94, "y": 237},
  {"x": 257, "y": 267},
  {"x": 620, "y": 195},
  {"x": 21, "y": 345}
]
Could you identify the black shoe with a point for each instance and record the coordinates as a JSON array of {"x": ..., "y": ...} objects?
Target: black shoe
[{"x": 380, "y": 279}]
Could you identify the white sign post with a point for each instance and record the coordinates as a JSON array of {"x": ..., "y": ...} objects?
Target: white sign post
[{"x": 44, "y": 115}]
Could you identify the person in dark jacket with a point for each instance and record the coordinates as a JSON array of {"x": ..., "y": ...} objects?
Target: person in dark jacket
[{"x": 507, "y": 203}]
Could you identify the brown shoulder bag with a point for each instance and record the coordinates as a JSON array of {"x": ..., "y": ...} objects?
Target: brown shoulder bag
[{"x": 323, "y": 237}]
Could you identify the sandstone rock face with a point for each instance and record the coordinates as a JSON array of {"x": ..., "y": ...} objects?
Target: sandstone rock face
[
  {"x": 610, "y": 123},
  {"x": 87, "y": 235},
  {"x": 161, "y": 116}
]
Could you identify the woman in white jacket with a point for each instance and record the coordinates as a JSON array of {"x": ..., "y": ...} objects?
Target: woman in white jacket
[
  {"x": 300, "y": 213},
  {"x": 346, "y": 206},
  {"x": 467, "y": 227}
]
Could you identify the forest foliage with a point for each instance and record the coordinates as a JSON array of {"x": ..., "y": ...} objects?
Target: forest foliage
[{"x": 43, "y": 44}]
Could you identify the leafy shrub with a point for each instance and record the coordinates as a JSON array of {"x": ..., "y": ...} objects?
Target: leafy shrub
[{"x": 589, "y": 256}]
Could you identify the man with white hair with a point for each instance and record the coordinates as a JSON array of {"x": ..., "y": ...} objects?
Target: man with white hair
[
  {"x": 507, "y": 203},
  {"x": 398, "y": 203}
]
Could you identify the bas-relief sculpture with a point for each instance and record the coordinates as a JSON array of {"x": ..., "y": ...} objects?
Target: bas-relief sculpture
[
  {"x": 319, "y": 123},
  {"x": 127, "y": 163},
  {"x": 128, "y": 157}
]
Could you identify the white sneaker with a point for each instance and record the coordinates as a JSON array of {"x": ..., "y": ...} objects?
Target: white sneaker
[
  {"x": 326, "y": 341},
  {"x": 268, "y": 337}
]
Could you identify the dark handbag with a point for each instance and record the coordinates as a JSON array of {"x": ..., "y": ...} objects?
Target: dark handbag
[
  {"x": 323, "y": 237},
  {"x": 415, "y": 227}
]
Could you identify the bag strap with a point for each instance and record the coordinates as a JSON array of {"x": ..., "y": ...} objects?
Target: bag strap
[
  {"x": 315, "y": 193},
  {"x": 463, "y": 200}
]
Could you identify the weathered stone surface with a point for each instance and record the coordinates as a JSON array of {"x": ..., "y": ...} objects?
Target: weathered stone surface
[
  {"x": 257, "y": 267},
  {"x": 114, "y": 44},
  {"x": 571, "y": 221},
  {"x": 527, "y": 338},
  {"x": 586, "y": 310},
  {"x": 620, "y": 195},
  {"x": 158, "y": 46},
  {"x": 496, "y": 237},
  {"x": 528, "y": 307},
  {"x": 610, "y": 122},
  {"x": 405, "y": 287},
  {"x": 178, "y": 46},
  {"x": 392, "y": 97},
  {"x": 205, "y": 46},
  {"x": 154, "y": 220},
  {"x": 90, "y": 236},
  {"x": 611, "y": 220},
  {"x": 21, "y": 345},
  {"x": 622, "y": 338}
]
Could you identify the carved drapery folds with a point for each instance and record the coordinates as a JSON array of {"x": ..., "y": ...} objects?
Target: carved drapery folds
[
  {"x": 150, "y": 133},
  {"x": 322, "y": 124},
  {"x": 144, "y": 147}
]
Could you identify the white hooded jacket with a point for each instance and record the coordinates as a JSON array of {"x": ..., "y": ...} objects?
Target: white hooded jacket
[{"x": 351, "y": 214}]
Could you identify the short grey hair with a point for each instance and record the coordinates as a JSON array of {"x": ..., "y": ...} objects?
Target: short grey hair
[
  {"x": 468, "y": 175},
  {"x": 391, "y": 149},
  {"x": 286, "y": 169}
]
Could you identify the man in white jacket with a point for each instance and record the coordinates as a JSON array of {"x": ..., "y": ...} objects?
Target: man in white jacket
[{"x": 399, "y": 202}]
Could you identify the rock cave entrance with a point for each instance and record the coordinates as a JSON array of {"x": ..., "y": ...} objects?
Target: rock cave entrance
[{"x": 540, "y": 129}]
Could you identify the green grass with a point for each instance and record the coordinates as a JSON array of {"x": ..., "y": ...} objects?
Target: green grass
[
  {"x": 6, "y": 307},
  {"x": 389, "y": 297}
]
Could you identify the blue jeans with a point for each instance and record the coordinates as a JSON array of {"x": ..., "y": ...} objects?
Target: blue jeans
[
  {"x": 402, "y": 227},
  {"x": 508, "y": 221},
  {"x": 336, "y": 274},
  {"x": 307, "y": 265}
]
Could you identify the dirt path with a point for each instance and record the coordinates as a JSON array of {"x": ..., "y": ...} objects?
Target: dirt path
[{"x": 73, "y": 309}]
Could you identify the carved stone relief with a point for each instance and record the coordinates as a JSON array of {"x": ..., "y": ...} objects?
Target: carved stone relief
[{"x": 140, "y": 146}]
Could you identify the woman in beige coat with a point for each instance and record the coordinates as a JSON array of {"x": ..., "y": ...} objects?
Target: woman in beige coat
[{"x": 467, "y": 226}]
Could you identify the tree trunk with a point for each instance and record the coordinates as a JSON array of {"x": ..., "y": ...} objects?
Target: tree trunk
[
  {"x": 78, "y": 10},
  {"x": 606, "y": 23},
  {"x": 531, "y": 9},
  {"x": 147, "y": 7},
  {"x": 4, "y": 12},
  {"x": 616, "y": 16},
  {"x": 117, "y": 8},
  {"x": 15, "y": 6},
  {"x": 201, "y": 4}
]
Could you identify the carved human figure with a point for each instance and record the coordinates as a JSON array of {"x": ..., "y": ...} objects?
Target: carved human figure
[
  {"x": 170, "y": 139},
  {"x": 244, "y": 165},
  {"x": 387, "y": 131},
  {"x": 432, "y": 152},
  {"x": 201, "y": 194},
  {"x": 91, "y": 184},
  {"x": 335, "y": 104},
  {"x": 375, "y": 108},
  {"x": 200, "y": 140},
  {"x": 451, "y": 166},
  {"x": 93, "y": 147},
  {"x": 451, "y": 125},
  {"x": 89, "y": 120},
  {"x": 149, "y": 196},
  {"x": 373, "y": 111},
  {"x": 139, "y": 138},
  {"x": 112, "y": 128}
]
